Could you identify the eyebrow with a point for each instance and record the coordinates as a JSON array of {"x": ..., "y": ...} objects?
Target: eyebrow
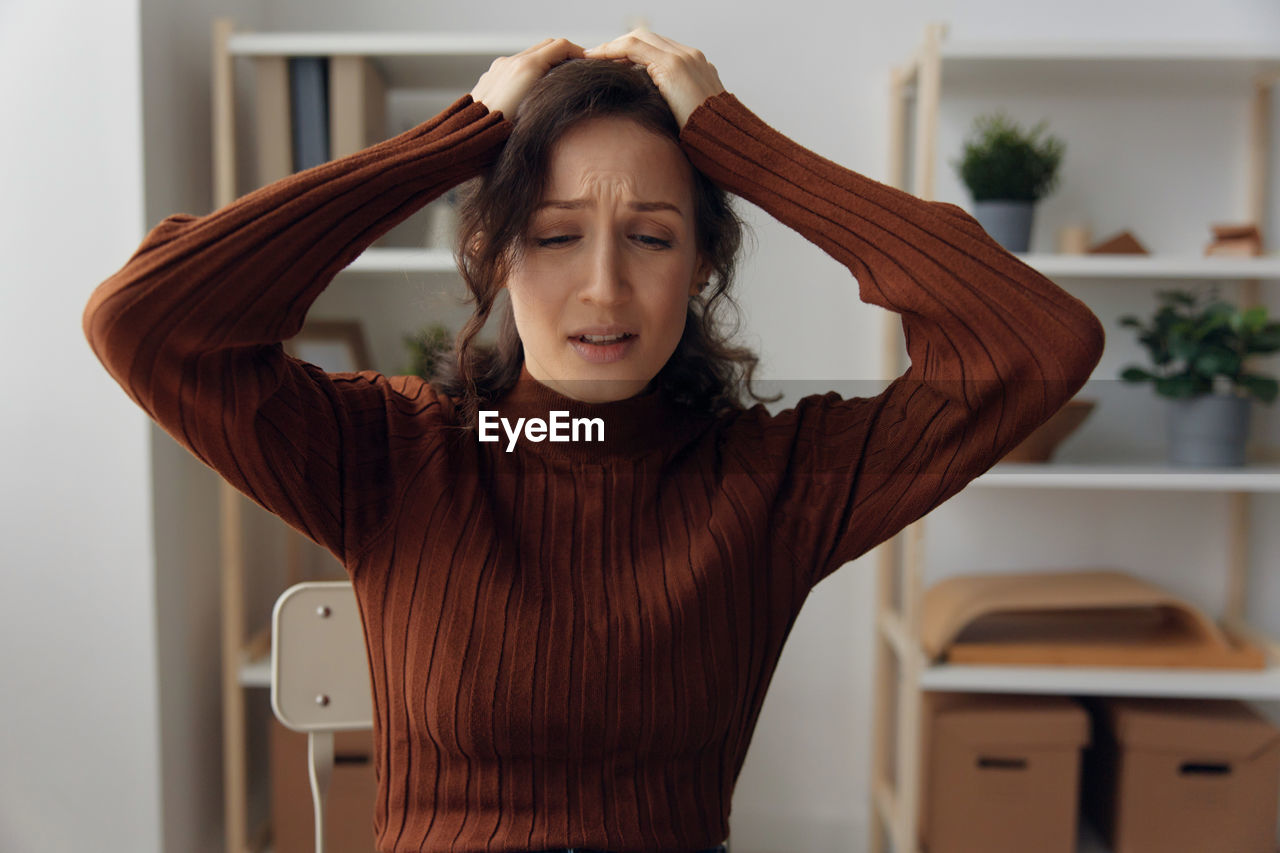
[{"x": 642, "y": 206}]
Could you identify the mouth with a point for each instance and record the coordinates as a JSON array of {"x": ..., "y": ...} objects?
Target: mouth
[
  {"x": 603, "y": 348},
  {"x": 603, "y": 340}
]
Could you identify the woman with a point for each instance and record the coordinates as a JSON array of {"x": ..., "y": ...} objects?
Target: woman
[
  {"x": 570, "y": 641},
  {"x": 568, "y": 281}
]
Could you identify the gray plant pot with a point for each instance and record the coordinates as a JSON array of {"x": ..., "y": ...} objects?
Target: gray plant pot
[
  {"x": 1008, "y": 222},
  {"x": 1208, "y": 431}
]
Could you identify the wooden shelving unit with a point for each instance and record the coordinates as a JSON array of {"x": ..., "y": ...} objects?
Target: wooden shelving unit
[
  {"x": 431, "y": 62},
  {"x": 1064, "y": 68}
]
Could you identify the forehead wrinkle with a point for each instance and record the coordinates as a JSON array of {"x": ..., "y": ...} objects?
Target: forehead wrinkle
[
  {"x": 616, "y": 188},
  {"x": 595, "y": 164},
  {"x": 614, "y": 183},
  {"x": 586, "y": 204}
]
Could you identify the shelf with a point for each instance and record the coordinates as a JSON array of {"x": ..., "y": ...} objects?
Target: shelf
[
  {"x": 409, "y": 60},
  {"x": 256, "y": 671},
  {"x": 1175, "y": 682},
  {"x": 1260, "y": 477},
  {"x": 1105, "y": 67},
  {"x": 1053, "y": 265},
  {"x": 1153, "y": 266},
  {"x": 404, "y": 260},
  {"x": 1116, "y": 75},
  {"x": 1259, "y": 685}
]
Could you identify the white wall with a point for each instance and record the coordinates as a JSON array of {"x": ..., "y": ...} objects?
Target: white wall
[
  {"x": 137, "y": 717},
  {"x": 77, "y": 618},
  {"x": 176, "y": 50}
]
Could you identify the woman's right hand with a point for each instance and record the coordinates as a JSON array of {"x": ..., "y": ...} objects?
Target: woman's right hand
[{"x": 509, "y": 78}]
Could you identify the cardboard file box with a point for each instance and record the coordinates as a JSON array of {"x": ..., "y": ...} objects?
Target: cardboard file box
[
  {"x": 349, "y": 803},
  {"x": 1002, "y": 774},
  {"x": 1174, "y": 775}
]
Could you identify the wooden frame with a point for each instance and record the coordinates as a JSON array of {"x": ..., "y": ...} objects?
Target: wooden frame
[
  {"x": 895, "y": 802},
  {"x": 238, "y": 647}
]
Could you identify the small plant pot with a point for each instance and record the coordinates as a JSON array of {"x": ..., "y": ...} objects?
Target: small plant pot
[
  {"x": 1008, "y": 222},
  {"x": 1208, "y": 431}
]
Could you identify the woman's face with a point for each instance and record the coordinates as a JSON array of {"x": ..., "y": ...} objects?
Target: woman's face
[{"x": 610, "y": 251}]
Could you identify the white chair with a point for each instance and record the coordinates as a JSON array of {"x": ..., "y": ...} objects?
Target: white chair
[{"x": 319, "y": 674}]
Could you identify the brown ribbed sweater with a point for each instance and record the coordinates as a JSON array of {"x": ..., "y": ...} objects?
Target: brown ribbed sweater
[{"x": 570, "y": 643}]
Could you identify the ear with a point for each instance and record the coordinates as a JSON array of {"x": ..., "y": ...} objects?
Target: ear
[{"x": 701, "y": 275}]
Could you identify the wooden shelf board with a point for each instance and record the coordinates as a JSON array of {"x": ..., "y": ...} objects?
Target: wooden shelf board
[
  {"x": 1053, "y": 66},
  {"x": 390, "y": 43},
  {"x": 256, "y": 671},
  {"x": 404, "y": 260},
  {"x": 1181, "y": 266},
  {"x": 1053, "y": 265},
  {"x": 1254, "y": 477},
  {"x": 1261, "y": 685},
  {"x": 422, "y": 60}
]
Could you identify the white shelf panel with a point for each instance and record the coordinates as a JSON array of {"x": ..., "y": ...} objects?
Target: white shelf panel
[
  {"x": 257, "y": 672},
  {"x": 1255, "y": 477},
  {"x": 439, "y": 60},
  {"x": 1153, "y": 266},
  {"x": 1105, "y": 67},
  {"x": 1062, "y": 266},
  {"x": 404, "y": 260},
  {"x": 1174, "y": 682},
  {"x": 1119, "y": 50},
  {"x": 446, "y": 44}
]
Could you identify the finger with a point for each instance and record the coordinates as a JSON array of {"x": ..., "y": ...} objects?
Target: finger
[
  {"x": 552, "y": 49},
  {"x": 639, "y": 36},
  {"x": 560, "y": 47},
  {"x": 658, "y": 41},
  {"x": 635, "y": 45},
  {"x": 667, "y": 44},
  {"x": 671, "y": 46},
  {"x": 534, "y": 48}
]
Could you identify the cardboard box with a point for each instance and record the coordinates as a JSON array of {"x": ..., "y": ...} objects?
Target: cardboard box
[
  {"x": 1002, "y": 773},
  {"x": 349, "y": 802},
  {"x": 1173, "y": 775}
]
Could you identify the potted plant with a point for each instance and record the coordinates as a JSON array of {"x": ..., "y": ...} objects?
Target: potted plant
[
  {"x": 1199, "y": 348},
  {"x": 426, "y": 348},
  {"x": 1007, "y": 172}
]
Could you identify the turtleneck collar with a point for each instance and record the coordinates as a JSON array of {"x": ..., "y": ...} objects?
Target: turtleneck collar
[{"x": 633, "y": 426}]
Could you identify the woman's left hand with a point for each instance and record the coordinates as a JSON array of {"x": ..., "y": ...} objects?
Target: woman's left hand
[{"x": 682, "y": 74}]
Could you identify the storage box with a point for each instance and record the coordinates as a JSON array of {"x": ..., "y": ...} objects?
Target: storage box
[
  {"x": 1002, "y": 773},
  {"x": 1173, "y": 775},
  {"x": 349, "y": 802}
]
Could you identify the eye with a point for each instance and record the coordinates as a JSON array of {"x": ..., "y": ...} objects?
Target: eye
[
  {"x": 653, "y": 242},
  {"x": 558, "y": 240}
]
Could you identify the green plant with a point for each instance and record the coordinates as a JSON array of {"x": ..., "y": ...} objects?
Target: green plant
[
  {"x": 1001, "y": 162},
  {"x": 1192, "y": 343},
  {"x": 426, "y": 348}
]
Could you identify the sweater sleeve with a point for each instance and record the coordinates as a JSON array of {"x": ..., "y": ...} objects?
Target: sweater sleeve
[
  {"x": 192, "y": 327},
  {"x": 996, "y": 348}
]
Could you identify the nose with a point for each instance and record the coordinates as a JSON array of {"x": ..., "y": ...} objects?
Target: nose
[{"x": 606, "y": 278}]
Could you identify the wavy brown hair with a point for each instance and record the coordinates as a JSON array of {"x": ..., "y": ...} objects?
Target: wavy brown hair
[{"x": 705, "y": 373}]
